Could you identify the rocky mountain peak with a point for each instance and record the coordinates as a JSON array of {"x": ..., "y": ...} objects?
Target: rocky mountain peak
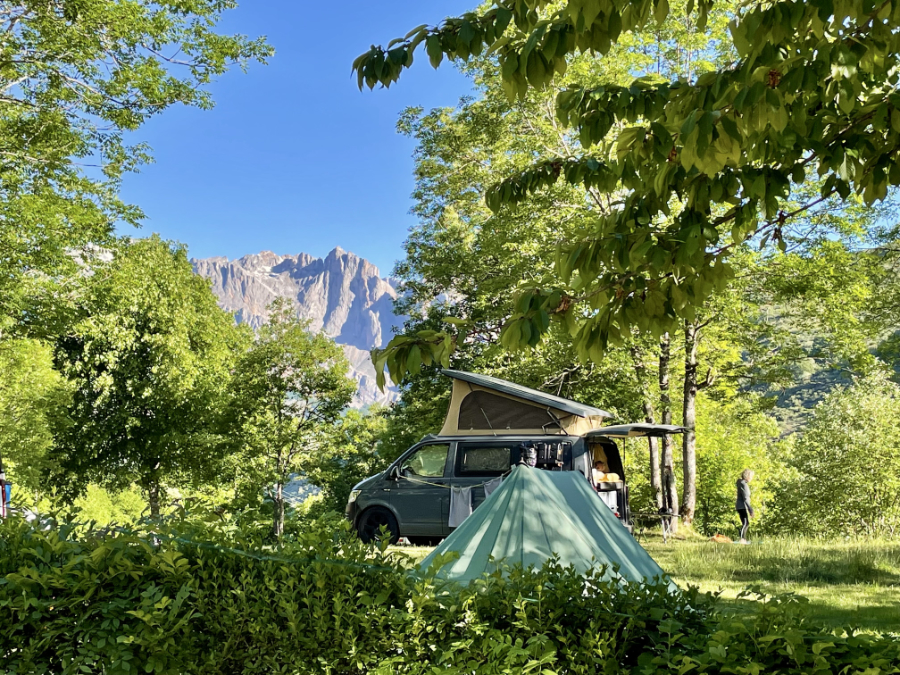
[{"x": 342, "y": 295}]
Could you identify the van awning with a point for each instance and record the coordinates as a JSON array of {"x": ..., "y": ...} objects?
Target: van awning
[{"x": 636, "y": 431}]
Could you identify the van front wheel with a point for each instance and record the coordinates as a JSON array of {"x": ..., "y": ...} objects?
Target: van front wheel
[{"x": 371, "y": 522}]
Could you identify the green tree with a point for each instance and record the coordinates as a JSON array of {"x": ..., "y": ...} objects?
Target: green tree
[
  {"x": 77, "y": 78},
  {"x": 32, "y": 395},
  {"x": 148, "y": 356},
  {"x": 463, "y": 259},
  {"x": 580, "y": 217},
  {"x": 732, "y": 436},
  {"x": 823, "y": 306},
  {"x": 350, "y": 452},
  {"x": 846, "y": 465},
  {"x": 704, "y": 161},
  {"x": 289, "y": 389}
]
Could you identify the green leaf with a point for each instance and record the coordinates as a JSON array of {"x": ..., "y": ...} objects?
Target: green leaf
[
  {"x": 730, "y": 128},
  {"x": 434, "y": 50},
  {"x": 414, "y": 360},
  {"x": 466, "y": 33},
  {"x": 759, "y": 186},
  {"x": 535, "y": 70},
  {"x": 662, "y": 11},
  {"x": 504, "y": 16},
  {"x": 508, "y": 66},
  {"x": 690, "y": 123},
  {"x": 454, "y": 321}
]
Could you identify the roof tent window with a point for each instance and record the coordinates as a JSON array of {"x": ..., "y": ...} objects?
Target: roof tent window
[{"x": 484, "y": 410}]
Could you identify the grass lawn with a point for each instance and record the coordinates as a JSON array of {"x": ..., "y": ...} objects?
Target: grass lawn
[{"x": 853, "y": 583}]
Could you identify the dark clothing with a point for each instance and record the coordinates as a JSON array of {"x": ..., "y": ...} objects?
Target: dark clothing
[
  {"x": 743, "y": 496},
  {"x": 742, "y": 504},
  {"x": 745, "y": 522}
]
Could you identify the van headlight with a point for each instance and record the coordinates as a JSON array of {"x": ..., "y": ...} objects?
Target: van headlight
[{"x": 353, "y": 495}]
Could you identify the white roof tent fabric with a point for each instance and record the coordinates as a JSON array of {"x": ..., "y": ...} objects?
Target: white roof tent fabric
[
  {"x": 484, "y": 405},
  {"x": 537, "y": 514}
]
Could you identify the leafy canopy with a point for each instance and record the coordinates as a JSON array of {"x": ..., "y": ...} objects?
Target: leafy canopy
[
  {"x": 703, "y": 163},
  {"x": 287, "y": 391},
  {"x": 31, "y": 395},
  {"x": 148, "y": 356},
  {"x": 462, "y": 259},
  {"x": 76, "y": 76},
  {"x": 849, "y": 458}
]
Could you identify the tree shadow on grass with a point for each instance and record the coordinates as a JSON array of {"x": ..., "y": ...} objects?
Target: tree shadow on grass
[
  {"x": 874, "y": 617},
  {"x": 819, "y": 572}
]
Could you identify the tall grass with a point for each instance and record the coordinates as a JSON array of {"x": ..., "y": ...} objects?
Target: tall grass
[
  {"x": 848, "y": 583},
  {"x": 786, "y": 560}
]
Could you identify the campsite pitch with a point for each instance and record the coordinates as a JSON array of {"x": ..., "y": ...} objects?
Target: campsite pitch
[{"x": 854, "y": 583}]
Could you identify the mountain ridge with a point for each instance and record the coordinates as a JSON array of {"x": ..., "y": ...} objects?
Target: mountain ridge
[{"x": 342, "y": 295}]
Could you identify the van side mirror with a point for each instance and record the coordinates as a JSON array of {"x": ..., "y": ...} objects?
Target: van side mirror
[{"x": 394, "y": 473}]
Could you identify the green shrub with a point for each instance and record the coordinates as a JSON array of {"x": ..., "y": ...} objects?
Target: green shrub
[
  {"x": 554, "y": 620},
  {"x": 845, "y": 474},
  {"x": 91, "y": 604},
  {"x": 211, "y": 597},
  {"x": 116, "y": 602}
]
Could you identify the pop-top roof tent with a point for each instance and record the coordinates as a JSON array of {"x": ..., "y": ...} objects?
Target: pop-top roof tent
[
  {"x": 534, "y": 515},
  {"x": 486, "y": 405}
]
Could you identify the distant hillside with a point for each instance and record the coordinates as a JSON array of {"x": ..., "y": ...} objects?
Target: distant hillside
[{"x": 341, "y": 295}]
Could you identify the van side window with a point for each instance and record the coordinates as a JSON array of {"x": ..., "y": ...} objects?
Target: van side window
[
  {"x": 428, "y": 461},
  {"x": 482, "y": 459}
]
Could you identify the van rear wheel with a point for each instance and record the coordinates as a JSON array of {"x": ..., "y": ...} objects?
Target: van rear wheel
[{"x": 371, "y": 522}]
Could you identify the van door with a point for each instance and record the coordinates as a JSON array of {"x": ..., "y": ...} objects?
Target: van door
[
  {"x": 421, "y": 497},
  {"x": 477, "y": 462},
  {"x": 615, "y": 494}
]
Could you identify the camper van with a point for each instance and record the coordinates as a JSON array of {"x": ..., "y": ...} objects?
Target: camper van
[{"x": 491, "y": 426}]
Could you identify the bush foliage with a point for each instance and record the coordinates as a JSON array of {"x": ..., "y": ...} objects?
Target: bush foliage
[
  {"x": 844, "y": 471},
  {"x": 216, "y": 599}
]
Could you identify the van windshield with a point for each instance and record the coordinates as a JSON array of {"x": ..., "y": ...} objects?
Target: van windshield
[{"x": 426, "y": 461}]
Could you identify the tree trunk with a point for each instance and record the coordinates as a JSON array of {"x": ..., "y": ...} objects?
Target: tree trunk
[
  {"x": 153, "y": 496},
  {"x": 640, "y": 369},
  {"x": 689, "y": 442},
  {"x": 3, "y": 505},
  {"x": 278, "y": 518},
  {"x": 151, "y": 484},
  {"x": 669, "y": 484}
]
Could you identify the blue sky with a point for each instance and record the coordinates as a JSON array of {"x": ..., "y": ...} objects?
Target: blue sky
[{"x": 293, "y": 157}]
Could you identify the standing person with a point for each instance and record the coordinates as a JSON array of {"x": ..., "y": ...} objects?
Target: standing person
[{"x": 744, "y": 509}]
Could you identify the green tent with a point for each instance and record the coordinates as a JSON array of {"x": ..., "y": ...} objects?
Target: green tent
[{"x": 535, "y": 514}]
